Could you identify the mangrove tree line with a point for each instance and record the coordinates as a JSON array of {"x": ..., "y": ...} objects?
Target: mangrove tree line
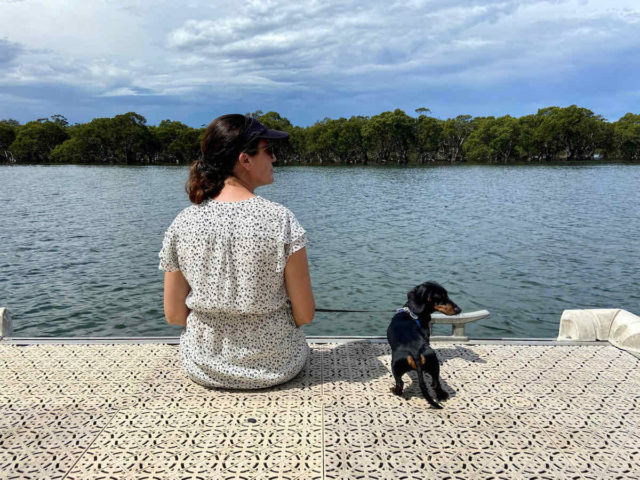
[{"x": 550, "y": 135}]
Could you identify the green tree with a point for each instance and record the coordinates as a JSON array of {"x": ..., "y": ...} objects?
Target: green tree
[
  {"x": 298, "y": 142},
  {"x": 528, "y": 147},
  {"x": 505, "y": 136},
  {"x": 90, "y": 143},
  {"x": 337, "y": 141},
  {"x": 626, "y": 137},
  {"x": 493, "y": 140},
  {"x": 428, "y": 137},
  {"x": 570, "y": 133},
  {"x": 257, "y": 114},
  {"x": 35, "y": 141},
  {"x": 477, "y": 146},
  {"x": 389, "y": 136},
  {"x": 275, "y": 121},
  {"x": 73, "y": 150},
  {"x": 60, "y": 120},
  {"x": 454, "y": 133},
  {"x": 175, "y": 142},
  {"x": 7, "y": 136},
  {"x": 322, "y": 141},
  {"x": 350, "y": 141},
  {"x": 130, "y": 138},
  {"x": 122, "y": 139}
]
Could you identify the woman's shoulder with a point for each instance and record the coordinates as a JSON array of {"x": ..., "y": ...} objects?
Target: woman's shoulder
[
  {"x": 185, "y": 216},
  {"x": 270, "y": 204},
  {"x": 190, "y": 211},
  {"x": 275, "y": 208}
]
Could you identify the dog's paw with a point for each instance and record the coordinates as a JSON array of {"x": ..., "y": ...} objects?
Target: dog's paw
[
  {"x": 442, "y": 395},
  {"x": 396, "y": 390}
]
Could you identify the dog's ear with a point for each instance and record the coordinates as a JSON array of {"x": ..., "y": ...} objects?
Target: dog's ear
[
  {"x": 434, "y": 296},
  {"x": 430, "y": 296},
  {"x": 435, "y": 293},
  {"x": 416, "y": 300}
]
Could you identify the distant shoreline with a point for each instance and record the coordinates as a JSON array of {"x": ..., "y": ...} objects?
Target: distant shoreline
[
  {"x": 557, "y": 163},
  {"x": 571, "y": 135}
]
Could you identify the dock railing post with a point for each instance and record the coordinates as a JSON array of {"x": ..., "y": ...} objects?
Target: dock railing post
[
  {"x": 6, "y": 328},
  {"x": 458, "y": 323},
  {"x": 457, "y": 330}
]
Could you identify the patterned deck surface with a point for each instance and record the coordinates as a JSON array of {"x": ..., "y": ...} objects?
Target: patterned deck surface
[{"x": 127, "y": 411}]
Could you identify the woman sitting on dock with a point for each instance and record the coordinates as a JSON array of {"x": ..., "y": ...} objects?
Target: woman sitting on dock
[{"x": 232, "y": 262}]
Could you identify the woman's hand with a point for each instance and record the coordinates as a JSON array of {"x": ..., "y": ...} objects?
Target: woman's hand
[
  {"x": 176, "y": 289},
  {"x": 298, "y": 284}
]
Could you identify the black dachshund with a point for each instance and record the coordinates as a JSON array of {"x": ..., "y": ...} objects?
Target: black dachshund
[{"x": 408, "y": 336}]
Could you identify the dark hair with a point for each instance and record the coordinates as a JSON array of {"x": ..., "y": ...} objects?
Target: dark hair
[{"x": 221, "y": 145}]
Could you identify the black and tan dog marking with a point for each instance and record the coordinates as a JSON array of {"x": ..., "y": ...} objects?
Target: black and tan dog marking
[{"x": 408, "y": 336}]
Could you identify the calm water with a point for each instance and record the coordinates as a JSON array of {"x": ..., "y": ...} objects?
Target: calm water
[{"x": 78, "y": 245}]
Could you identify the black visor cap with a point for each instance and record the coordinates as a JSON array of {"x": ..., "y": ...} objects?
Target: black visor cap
[{"x": 257, "y": 130}]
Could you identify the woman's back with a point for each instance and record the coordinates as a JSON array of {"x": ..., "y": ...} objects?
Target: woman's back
[{"x": 233, "y": 254}]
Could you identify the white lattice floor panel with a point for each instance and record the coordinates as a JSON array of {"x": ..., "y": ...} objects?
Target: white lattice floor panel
[{"x": 127, "y": 411}]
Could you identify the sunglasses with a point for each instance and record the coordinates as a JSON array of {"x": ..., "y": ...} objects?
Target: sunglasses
[{"x": 269, "y": 150}]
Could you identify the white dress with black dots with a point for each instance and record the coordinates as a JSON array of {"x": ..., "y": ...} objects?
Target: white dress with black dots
[{"x": 240, "y": 332}]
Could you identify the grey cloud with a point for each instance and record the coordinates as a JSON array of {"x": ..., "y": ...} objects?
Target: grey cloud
[
  {"x": 9, "y": 51},
  {"x": 197, "y": 34},
  {"x": 129, "y": 91},
  {"x": 344, "y": 34}
]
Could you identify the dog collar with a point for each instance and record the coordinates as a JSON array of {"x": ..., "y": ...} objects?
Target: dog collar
[{"x": 411, "y": 314}]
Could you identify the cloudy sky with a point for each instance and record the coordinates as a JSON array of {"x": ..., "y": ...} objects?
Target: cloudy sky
[{"x": 194, "y": 60}]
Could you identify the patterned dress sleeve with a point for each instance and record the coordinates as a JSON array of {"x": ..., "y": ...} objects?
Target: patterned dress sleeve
[
  {"x": 169, "y": 254},
  {"x": 293, "y": 238}
]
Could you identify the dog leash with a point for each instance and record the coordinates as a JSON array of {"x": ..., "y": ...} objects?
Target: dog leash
[
  {"x": 353, "y": 311},
  {"x": 403, "y": 309}
]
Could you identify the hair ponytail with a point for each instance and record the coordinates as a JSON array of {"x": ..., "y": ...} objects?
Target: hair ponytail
[{"x": 202, "y": 184}]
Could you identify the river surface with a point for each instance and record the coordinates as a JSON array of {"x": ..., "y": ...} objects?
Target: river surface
[{"x": 79, "y": 245}]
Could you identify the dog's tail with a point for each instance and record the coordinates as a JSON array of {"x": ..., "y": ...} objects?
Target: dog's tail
[{"x": 423, "y": 386}]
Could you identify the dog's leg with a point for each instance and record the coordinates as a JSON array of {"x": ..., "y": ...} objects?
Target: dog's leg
[
  {"x": 432, "y": 367},
  {"x": 441, "y": 393},
  {"x": 423, "y": 386},
  {"x": 397, "y": 389}
]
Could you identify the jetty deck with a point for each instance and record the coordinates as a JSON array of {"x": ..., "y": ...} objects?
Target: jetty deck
[{"x": 517, "y": 410}]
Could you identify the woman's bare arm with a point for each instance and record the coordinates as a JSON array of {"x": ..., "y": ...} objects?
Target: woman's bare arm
[
  {"x": 176, "y": 290},
  {"x": 298, "y": 283}
]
